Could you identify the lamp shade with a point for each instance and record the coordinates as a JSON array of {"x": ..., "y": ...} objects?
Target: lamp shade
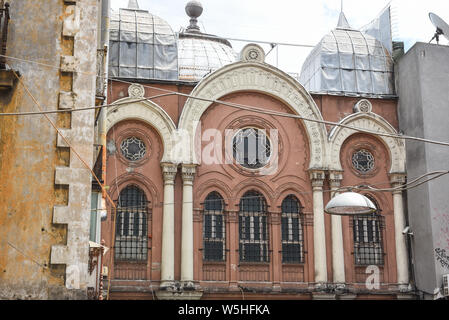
[{"x": 349, "y": 204}]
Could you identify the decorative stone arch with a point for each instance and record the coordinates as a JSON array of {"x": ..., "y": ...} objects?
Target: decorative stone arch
[
  {"x": 139, "y": 180},
  {"x": 372, "y": 122},
  {"x": 256, "y": 185},
  {"x": 256, "y": 77},
  {"x": 292, "y": 188},
  {"x": 214, "y": 185},
  {"x": 150, "y": 113}
]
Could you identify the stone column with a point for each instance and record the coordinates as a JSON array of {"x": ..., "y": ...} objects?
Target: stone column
[
  {"x": 168, "y": 226},
  {"x": 338, "y": 258},
  {"x": 188, "y": 173},
  {"x": 319, "y": 232},
  {"x": 276, "y": 220},
  {"x": 398, "y": 180},
  {"x": 233, "y": 244}
]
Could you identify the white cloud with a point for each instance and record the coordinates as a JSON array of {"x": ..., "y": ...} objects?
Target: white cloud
[{"x": 295, "y": 21}]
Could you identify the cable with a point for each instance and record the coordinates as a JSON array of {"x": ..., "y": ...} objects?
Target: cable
[
  {"x": 86, "y": 108},
  {"x": 264, "y": 42},
  {"x": 288, "y": 115},
  {"x": 404, "y": 187},
  {"x": 239, "y": 106},
  {"x": 255, "y": 109},
  {"x": 62, "y": 136}
]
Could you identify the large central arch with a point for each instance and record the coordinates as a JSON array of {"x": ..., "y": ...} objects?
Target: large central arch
[{"x": 259, "y": 77}]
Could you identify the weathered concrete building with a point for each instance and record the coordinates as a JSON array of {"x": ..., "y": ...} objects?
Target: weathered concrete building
[
  {"x": 423, "y": 87},
  {"x": 45, "y": 190}
]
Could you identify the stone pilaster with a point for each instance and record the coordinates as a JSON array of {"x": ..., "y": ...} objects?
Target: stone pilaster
[
  {"x": 397, "y": 180},
  {"x": 188, "y": 173},
  {"x": 169, "y": 171},
  {"x": 338, "y": 258},
  {"x": 317, "y": 178}
]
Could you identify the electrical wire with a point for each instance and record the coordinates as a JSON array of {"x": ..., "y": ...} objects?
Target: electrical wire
[
  {"x": 264, "y": 42},
  {"x": 245, "y": 107},
  {"x": 288, "y": 115},
  {"x": 362, "y": 187},
  {"x": 62, "y": 136},
  {"x": 86, "y": 108}
]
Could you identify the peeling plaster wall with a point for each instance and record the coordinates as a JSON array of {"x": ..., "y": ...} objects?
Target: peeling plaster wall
[{"x": 40, "y": 245}]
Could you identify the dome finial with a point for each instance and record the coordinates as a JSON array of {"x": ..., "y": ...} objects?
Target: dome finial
[
  {"x": 194, "y": 9},
  {"x": 133, "y": 4},
  {"x": 342, "y": 21}
]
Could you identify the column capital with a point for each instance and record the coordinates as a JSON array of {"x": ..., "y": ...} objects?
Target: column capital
[
  {"x": 169, "y": 171},
  {"x": 335, "y": 179},
  {"x": 397, "y": 180},
  {"x": 188, "y": 172},
  {"x": 275, "y": 218},
  {"x": 317, "y": 177}
]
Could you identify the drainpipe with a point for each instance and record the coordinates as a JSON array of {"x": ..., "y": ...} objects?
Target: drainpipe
[
  {"x": 104, "y": 41},
  {"x": 105, "y": 12}
]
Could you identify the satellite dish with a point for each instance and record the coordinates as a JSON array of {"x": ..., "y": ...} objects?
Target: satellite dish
[{"x": 442, "y": 27}]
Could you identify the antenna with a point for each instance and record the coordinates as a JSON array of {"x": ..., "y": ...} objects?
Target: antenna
[{"x": 442, "y": 27}]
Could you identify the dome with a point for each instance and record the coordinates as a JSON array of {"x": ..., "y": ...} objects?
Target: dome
[
  {"x": 349, "y": 62},
  {"x": 142, "y": 45},
  {"x": 200, "y": 54}
]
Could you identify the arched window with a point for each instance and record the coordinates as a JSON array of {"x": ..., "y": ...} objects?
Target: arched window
[
  {"x": 292, "y": 231},
  {"x": 368, "y": 244},
  {"x": 214, "y": 232},
  {"x": 131, "y": 226},
  {"x": 253, "y": 228}
]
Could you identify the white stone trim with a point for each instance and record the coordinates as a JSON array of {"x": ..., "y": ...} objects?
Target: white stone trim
[
  {"x": 150, "y": 113},
  {"x": 247, "y": 76},
  {"x": 76, "y": 215},
  {"x": 372, "y": 122}
]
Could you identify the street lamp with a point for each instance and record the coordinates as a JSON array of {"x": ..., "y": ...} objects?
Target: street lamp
[{"x": 350, "y": 204}]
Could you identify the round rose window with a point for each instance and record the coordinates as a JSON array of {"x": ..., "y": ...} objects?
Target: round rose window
[{"x": 133, "y": 149}]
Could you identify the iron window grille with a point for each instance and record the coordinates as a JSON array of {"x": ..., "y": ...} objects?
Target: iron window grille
[
  {"x": 131, "y": 237},
  {"x": 292, "y": 231},
  {"x": 251, "y": 148},
  {"x": 214, "y": 230},
  {"x": 368, "y": 242},
  {"x": 253, "y": 228}
]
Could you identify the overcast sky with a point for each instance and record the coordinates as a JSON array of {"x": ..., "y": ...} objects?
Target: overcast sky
[{"x": 296, "y": 21}]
